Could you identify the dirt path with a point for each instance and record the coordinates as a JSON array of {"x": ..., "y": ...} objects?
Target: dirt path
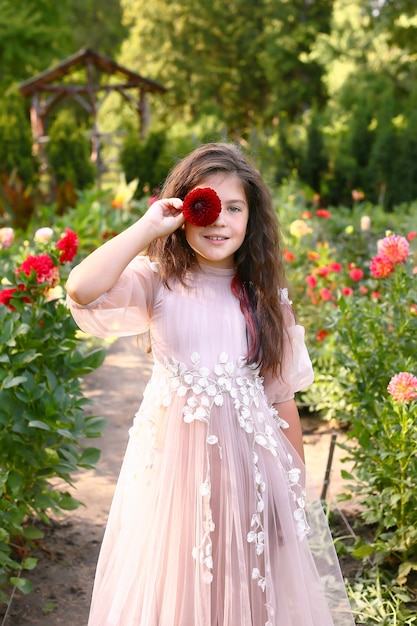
[{"x": 67, "y": 559}]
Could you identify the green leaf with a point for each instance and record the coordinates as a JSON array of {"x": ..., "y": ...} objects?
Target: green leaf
[
  {"x": 13, "y": 381},
  {"x": 39, "y": 424},
  {"x": 29, "y": 564},
  {"x": 23, "y": 584},
  {"x": 31, "y": 532},
  {"x": 90, "y": 456}
]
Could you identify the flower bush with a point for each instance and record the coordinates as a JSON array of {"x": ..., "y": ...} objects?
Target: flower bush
[{"x": 42, "y": 418}]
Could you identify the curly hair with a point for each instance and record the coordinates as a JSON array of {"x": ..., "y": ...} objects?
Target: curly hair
[{"x": 259, "y": 263}]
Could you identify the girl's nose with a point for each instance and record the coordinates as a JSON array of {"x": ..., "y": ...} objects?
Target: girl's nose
[{"x": 220, "y": 219}]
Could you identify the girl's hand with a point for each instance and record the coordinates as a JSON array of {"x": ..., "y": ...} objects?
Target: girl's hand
[{"x": 164, "y": 216}]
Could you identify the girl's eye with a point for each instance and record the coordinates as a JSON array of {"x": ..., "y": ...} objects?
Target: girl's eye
[{"x": 233, "y": 208}]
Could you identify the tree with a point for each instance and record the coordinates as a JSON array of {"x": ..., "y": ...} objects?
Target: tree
[
  {"x": 246, "y": 61},
  {"x": 32, "y": 35}
]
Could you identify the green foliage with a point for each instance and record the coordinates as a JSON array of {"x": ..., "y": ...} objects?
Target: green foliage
[
  {"x": 68, "y": 152},
  {"x": 246, "y": 63},
  {"x": 145, "y": 160},
  {"x": 16, "y": 140},
  {"x": 43, "y": 424},
  {"x": 32, "y": 34}
]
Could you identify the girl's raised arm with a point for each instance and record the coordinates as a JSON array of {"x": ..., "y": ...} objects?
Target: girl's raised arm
[{"x": 97, "y": 273}]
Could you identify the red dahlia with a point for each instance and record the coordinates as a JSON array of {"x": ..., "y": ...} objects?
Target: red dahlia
[
  {"x": 42, "y": 264},
  {"x": 68, "y": 245},
  {"x": 201, "y": 206}
]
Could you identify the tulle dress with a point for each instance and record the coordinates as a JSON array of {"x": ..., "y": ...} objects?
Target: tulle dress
[{"x": 210, "y": 524}]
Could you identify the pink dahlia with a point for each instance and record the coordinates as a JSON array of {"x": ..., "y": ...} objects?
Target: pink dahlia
[
  {"x": 395, "y": 248},
  {"x": 68, "y": 244},
  {"x": 201, "y": 206},
  {"x": 403, "y": 387},
  {"x": 6, "y": 237},
  {"x": 42, "y": 264},
  {"x": 380, "y": 266}
]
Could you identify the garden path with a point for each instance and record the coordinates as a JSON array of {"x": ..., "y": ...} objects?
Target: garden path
[{"x": 67, "y": 558}]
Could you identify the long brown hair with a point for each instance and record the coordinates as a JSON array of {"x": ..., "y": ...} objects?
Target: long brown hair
[{"x": 259, "y": 262}]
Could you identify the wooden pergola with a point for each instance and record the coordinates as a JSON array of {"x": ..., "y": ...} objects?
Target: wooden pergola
[{"x": 51, "y": 87}]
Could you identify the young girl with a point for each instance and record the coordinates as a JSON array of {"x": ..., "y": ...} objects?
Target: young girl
[{"x": 209, "y": 524}]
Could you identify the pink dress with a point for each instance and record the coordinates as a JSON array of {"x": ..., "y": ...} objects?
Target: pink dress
[{"x": 210, "y": 524}]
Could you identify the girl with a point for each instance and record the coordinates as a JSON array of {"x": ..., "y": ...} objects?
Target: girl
[{"x": 209, "y": 524}]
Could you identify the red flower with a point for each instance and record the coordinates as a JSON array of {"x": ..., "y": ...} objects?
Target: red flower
[
  {"x": 395, "y": 248},
  {"x": 42, "y": 264},
  {"x": 68, "y": 244},
  {"x": 411, "y": 236},
  {"x": 7, "y": 294},
  {"x": 347, "y": 291},
  {"x": 356, "y": 274},
  {"x": 323, "y": 213},
  {"x": 325, "y": 294},
  {"x": 363, "y": 289},
  {"x": 335, "y": 267},
  {"x": 413, "y": 309},
  {"x": 322, "y": 334},
  {"x": 201, "y": 206},
  {"x": 311, "y": 281},
  {"x": 403, "y": 387},
  {"x": 323, "y": 271}
]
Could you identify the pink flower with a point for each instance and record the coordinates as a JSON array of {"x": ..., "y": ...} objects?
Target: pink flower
[
  {"x": 6, "y": 237},
  {"x": 403, "y": 387},
  {"x": 380, "y": 266},
  {"x": 68, "y": 244},
  {"x": 323, "y": 213},
  {"x": 357, "y": 195},
  {"x": 395, "y": 248},
  {"x": 356, "y": 274},
  {"x": 335, "y": 267},
  {"x": 325, "y": 294},
  {"x": 311, "y": 281},
  {"x": 42, "y": 264},
  {"x": 201, "y": 206},
  {"x": 411, "y": 236},
  {"x": 43, "y": 235},
  {"x": 347, "y": 291}
]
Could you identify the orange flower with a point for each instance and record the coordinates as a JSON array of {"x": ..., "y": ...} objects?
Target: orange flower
[
  {"x": 403, "y": 387},
  {"x": 380, "y": 266},
  {"x": 312, "y": 255},
  {"x": 288, "y": 255}
]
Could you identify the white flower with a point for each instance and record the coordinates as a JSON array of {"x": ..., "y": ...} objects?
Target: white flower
[{"x": 43, "y": 235}]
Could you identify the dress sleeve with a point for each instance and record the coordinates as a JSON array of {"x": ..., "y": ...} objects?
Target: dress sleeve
[
  {"x": 126, "y": 309},
  {"x": 297, "y": 370}
]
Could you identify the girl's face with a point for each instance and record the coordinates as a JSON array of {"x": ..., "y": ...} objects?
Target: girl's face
[{"x": 216, "y": 244}]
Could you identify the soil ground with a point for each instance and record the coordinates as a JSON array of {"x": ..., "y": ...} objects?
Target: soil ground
[{"x": 63, "y": 578}]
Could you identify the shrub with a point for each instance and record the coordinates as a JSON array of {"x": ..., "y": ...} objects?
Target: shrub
[
  {"x": 68, "y": 152},
  {"x": 42, "y": 420},
  {"x": 16, "y": 141}
]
